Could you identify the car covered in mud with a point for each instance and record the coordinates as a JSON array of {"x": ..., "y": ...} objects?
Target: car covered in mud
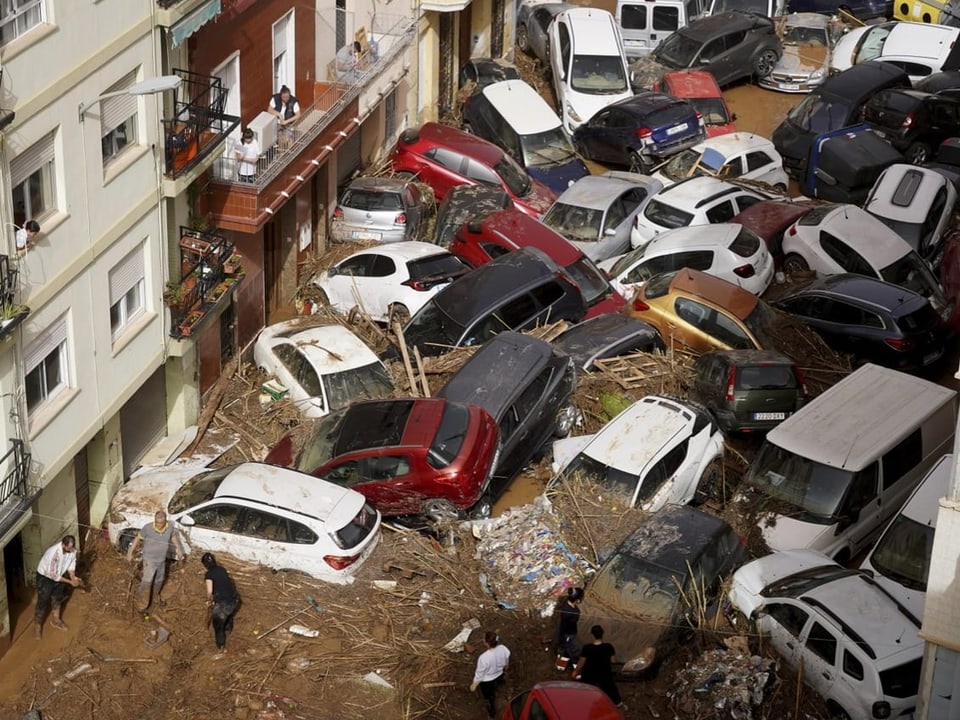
[{"x": 808, "y": 40}]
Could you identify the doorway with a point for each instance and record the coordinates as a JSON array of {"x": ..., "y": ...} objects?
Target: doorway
[{"x": 19, "y": 595}]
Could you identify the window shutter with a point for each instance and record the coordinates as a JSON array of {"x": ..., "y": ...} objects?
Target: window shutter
[
  {"x": 31, "y": 160},
  {"x": 280, "y": 37},
  {"x": 44, "y": 344},
  {"x": 126, "y": 274},
  {"x": 114, "y": 111}
]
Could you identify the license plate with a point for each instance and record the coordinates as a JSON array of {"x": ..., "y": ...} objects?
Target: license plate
[
  {"x": 769, "y": 416},
  {"x": 789, "y": 86},
  {"x": 361, "y": 235},
  {"x": 676, "y": 129}
]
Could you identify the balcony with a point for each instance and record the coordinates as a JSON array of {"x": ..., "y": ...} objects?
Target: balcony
[
  {"x": 185, "y": 14},
  {"x": 210, "y": 271},
  {"x": 194, "y": 134},
  {"x": 11, "y": 312},
  {"x": 16, "y": 494}
]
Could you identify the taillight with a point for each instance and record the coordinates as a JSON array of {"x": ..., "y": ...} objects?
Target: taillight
[
  {"x": 400, "y": 219},
  {"x": 418, "y": 285},
  {"x": 900, "y": 344},
  {"x": 745, "y": 271},
  {"x": 644, "y": 133},
  {"x": 700, "y": 119},
  {"x": 908, "y": 121},
  {"x": 743, "y": 541},
  {"x": 639, "y": 305},
  {"x": 338, "y": 214},
  {"x": 731, "y": 383},
  {"x": 801, "y": 381},
  {"x": 338, "y": 562}
]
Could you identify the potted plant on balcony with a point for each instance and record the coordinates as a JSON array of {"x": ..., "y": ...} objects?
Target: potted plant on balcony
[
  {"x": 189, "y": 322},
  {"x": 11, "y": 315},
  {"x": 233, "y": 264}
]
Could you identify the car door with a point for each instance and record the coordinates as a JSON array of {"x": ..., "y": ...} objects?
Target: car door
[
  {"x": 667, "y": 481},
  {"x": 848, "y": 259},
  {"x": 380, "y": 286},
  {"x": 781, "y": 622},
  {"x": 601, "y": 137},
  {"x": 537, "y": 38},
  {"x": 860, "y": 514},
  {"x": 819, "y": 655},
  {"x": 382, "y": 477},
  {"x": 444, "y": 171},
  {"x": 212, "y": 526},
  {"x": 343, "y": 284},
  {"x": 721, "y": 212},
  {"x": 524, "y": 427},
  {"x": 560, "y": 53}
]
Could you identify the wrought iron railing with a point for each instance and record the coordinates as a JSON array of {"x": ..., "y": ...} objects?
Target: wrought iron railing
[
  {"x": 16, "y": 466},
  {"x": 207, "y": 269}
]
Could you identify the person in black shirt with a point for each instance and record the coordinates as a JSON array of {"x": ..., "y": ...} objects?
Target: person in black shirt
[
  {"x": 596, "y": 665},
  {"x": 569, "y": 646},
  {"x": 222, "y": 598}
]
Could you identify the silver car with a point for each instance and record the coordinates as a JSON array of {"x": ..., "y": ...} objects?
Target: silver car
[
  {"x": 808, "y": 40},
  {"x": 378, "y": 209},
  {"x": 533, "y": 19}
]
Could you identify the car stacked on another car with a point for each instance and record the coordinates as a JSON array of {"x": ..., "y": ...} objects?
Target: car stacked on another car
[
  {"x": 481, "y": 72},
  {"x": 921, "y": 49},
  {"x": 533, "y": 20},
  {"x": 914, "y": 122},
  {"x": 466, "y": 202},
  {"x": 700, "y": 89},
  {"x": 808, "y": 40},
  {"x": 734, "y": 155},
  {"x": 380, "y": 210},
  {"x": 607, "y": 336}
]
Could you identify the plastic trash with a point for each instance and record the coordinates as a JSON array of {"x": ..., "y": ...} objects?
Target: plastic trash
[{"x": 304, "y": 631}]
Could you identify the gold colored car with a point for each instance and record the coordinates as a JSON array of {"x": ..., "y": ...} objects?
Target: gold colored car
[{"x": 700, "y": 312}]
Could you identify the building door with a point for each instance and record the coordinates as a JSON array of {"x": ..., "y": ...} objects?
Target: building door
[
  {"x": 143, "y": 421},
  {"x": 81, "y": 480},
  {"x": 15, "y": 573},
  {"x": 272, "y": 265}
]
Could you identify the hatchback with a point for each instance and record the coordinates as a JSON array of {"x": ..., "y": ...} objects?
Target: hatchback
[
  {"x": 749, "y": 390},
  {"x": 486, "y": 71},
  {"x": 808, "y": 40},
  {"x": 703, "y": 313},
  {"x": 700, "y": 89},
  {"x": 607, "y": 336},
  {"x": 921, "y": 49},
  {"x": 872, "y": 320},
  {"x": 389, "y": 282},
  {"x": 411, "y": 457},
  {"x": 561, "y": 700},
  {"x": 533, "y": 20},
  {"x": 770, "y": 219},
  {"x": 858, "y": 648},
  {"x": 641, "y": 595},
  {"x": 914, "y": 122},
  {"x": 659, "y": 451},
  {"x": 640, "y": 131},
  {"x": 734, "y": 155},
  {"x": 725, "y": 250},
  {"x": 379, "y": 209},
  {"x": 444, "y": 157},
  {"x": 260, "y": 514},
  {"x": 323, "y": 368},
  {"x": 478, "y": 242}
]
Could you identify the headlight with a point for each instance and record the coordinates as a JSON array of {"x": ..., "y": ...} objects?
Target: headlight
[
  {"x": 641, "y": 662},
  {"x": 816, "y": 74},
  {"x": 573, "y": 113}
]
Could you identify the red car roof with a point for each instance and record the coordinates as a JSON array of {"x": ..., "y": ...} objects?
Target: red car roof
[
  {"x": 432, "y": 134},
  {"x": 691, "y": 84},
  {"x": 520, "y": 230}
]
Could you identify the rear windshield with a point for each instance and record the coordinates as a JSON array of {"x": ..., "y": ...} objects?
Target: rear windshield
[
  {"x": 667, "y": 215},
  {"x": 902, "y": 681},
  {"x": 815, "y": 216},
  {"x": 514, "y": 176},
  {"x": 903, "y": 553},
  {"x": 355, "y": 531},
  {"x": 925, "y": 318},
  {"x": 436, "y": 266},
  {"x": 746, "y": 244},
  {"x": 670, "y": 115},
  {"x": 593, "y": 285},
  {"x": 318, "y": 448},
  {"x": 450, "y": 435},
  {"x": 766, "y": 377},
  {"x": 371, "y": 200},
  {"x": 713, "y": 110}
]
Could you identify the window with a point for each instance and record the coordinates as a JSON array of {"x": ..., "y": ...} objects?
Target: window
[
  {"x": 821, "y": 642},
  {"x": 46, "y": 366},
  {"x": 758, "y": 159},
  {"x": 721, "y": 212},
  {"x": 790, "y": 617},
  {"x": 118, "y": 118},
  {"x": 633, "y": 17},
  {"x": 902, "y": 458},
  {"x": 852, "y": 666},
  {"x": 845, "y": 256},
  {"x": 33, "y": 179},
  {"x": 666, "y": 19},
  {"x": 264, "y": 526},
  {"x": 18, "y": 16},
  {"x": 299, "y": 367},
  {"x": 358, "y": 266},
  {"x": 664, "y": 469},
  {"x": 283, "y": 53},
  {"x": 383, "y": 467},
  {"x": 383, "y": 266},
  {"x": 126, "y": 292},
  {"x": 217, "y": 517}
]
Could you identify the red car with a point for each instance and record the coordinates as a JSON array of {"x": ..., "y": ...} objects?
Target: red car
[
  {"x": 562, "y": 700},
  {"x": 769, "y": 219},
  {"x": 444, "y": 157},
  {"x": 479, "y": 241},
  {"x": 700, "y": 88},
  {"x": 418, "y": 457},
  {"x": 950, "y": 276}
]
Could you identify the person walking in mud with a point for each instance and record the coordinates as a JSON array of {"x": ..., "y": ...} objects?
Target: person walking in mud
[
  {"x": 490, "y": 668},
  {"x": 568, "y": 652},
  {"x": 596, "y": 666},
  {"x": 57, "y": 570},
  {"x": 222, "y": 599},
  {"x": 155, "y": 538}
]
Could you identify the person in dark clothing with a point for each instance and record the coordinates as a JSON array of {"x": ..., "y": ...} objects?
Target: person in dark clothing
[
  {"x": 222, "y": 598},
  {"x": 596, "y": 665},
  {"x": 569, "y": 646}
]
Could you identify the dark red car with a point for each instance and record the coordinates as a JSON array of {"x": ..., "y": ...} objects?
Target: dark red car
[
  {"x": 700, "y": 89},
  {"x": 444, "y": 157},
  {"x": 562, "y": 700},
  {"x": 950, "y": 276},
  {"x": 418, "y": 457},
  {"x": 479, "y": 241},
  {"x": 769, "y": 219}
]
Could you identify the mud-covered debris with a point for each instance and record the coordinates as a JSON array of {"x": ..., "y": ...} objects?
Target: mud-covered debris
[{"x": 723, "y": 683}]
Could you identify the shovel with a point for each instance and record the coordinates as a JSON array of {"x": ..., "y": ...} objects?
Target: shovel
[{"x": 101, "y": 658}]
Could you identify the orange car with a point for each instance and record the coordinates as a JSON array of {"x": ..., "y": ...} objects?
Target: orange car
[{"x": 702, "y": 312}]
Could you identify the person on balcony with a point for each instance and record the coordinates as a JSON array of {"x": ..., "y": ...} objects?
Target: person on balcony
[
  {"x": 248, "y": 155},
  {"x": 285, "y": 106}
]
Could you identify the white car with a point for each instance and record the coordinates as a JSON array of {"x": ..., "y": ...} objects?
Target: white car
[
  {"x": 726, "y": 250},
  {"x": 658, "y": 451},
  {"x": 857, "y": 647},
  {"x": 261, "y": 514},
  {"x": 734, "y": 155},
  {"x": 323, "y": 368},
  {"x": 389, "y": 282},
  {"x": 919, "y": 48},
  {"x": 917, "y": 203},
  {"x": 695, "y": 201},
  {"x": 832, "y": 239}
]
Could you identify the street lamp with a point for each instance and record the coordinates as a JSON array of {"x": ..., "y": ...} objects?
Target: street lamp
[{"x": 150, "y": 86}]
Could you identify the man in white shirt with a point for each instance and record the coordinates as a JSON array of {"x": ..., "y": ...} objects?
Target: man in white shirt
[
  {"x": 56, "y": 570},
  {"x": 490, "y": 667}
]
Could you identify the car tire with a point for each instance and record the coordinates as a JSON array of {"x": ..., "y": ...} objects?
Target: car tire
[
  {"x": 566, "y": 417},
  {"x": 836, "y": 712},
  {"x": 523, "y": 41},
  {"x": 322, "y": 298},
  {"x": 638, "y": 164},
  {"x": 780, "y": 188},
  {"x": 468, "y": 128},
  {"x": 711, "y": 485},
  {"x": 482, "y": 509},
  {"x": 794, "y": 263},
  {"x": 918, "y": 153},
  {"x": 440, "y": 510},
  {"x": 126, "y": 537},
  {"x": 398, "y": 313},
  {"x": 764, "y": 63}
]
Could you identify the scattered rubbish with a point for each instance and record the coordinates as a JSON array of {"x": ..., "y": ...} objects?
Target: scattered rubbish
[
  {"x": 274, "y": 389},
  {"x": 374, "y": 679},
  {"x": 408, "y": 573},
  {"x": 101, "y": 658},
  {"x": 731, "y": 682},
  {"x": 459, "y": 640},
  {"x": 385, "y": 584},
  {"x": 304, "y": 631},
  {"x": 298, "y": 664},
  {"x": 156, "y": 638}
]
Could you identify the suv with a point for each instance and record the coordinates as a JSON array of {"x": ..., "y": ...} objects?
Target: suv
[
  {"x": 526, "y": 385},
  {"x": 749, "y": 390},
  {"x": 914, "y": 122},
  {"x": 730, "y": 46},
  {"x": 700, "y": 89},
  {"x": 640, "y": 131},
  {"x": 513, "y": 292},
  {"x": 920, "y": 49}
]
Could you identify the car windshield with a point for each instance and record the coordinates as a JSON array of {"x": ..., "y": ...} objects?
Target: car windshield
[
  {"x": 818, "y": 115},
  {"x": 431, "y": 326},
  {"x": 811, "y": 490},
  {"x": 633, "y": 586},
  {"x": 871, "y": 44},
  {"x": 713, "y": 110},
  {"x": 666, "y": 215},
  {"x": 450, "y": 435},
  {"x": 805, "y": 35},
  {"x": 758, "y": 7},
  {"x": 912, "y": 273},
  {"x": 318, "y": 449},
  {"x": 690, "y": 163},
  {"x": 766, "y": 377},
  {"x": 436, "y": 267},
  {"x": 800, "y": 583},
  {"x": 198, "y": 489},
  {"x": 599, "y": 75},
  {"x": 576, "y": 223},
  {"x": 355, "y": 531},
  {"x": 362, "y": 383},
  {"x": 584, "y": 468},
  {"x": 372, "y": 200},
  {"x": 514, "y": 176},
  {"x": 550, "y": 147},
  {"x": 587, "y": 276},
  {"x": 903, "y": 553},
  {"x": 911, "y": 232},
  {"x": 677, "y": 51}
]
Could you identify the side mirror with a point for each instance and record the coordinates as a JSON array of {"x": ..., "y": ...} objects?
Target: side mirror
[
  {"x": 333, "y": 270},
  {"x": 610, "y": 232},
  {"x": 733, "y": 117},
  {"x": 186, "y": 521},
  {"x": 704, "y": 61}
]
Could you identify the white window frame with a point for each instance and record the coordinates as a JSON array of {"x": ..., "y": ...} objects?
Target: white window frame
[
  {"x": 33, "y": 179},
  {"x": 18, "y": 17},
  {"x": 127, "y": 283},
  {"x": 118, "y": 119},
  {"x": 229, "y": 70},
  {"x": 42, "y": 354},
  {"x": 284, "y": 53}
]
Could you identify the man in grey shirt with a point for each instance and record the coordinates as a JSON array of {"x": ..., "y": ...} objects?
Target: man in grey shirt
[{"x": 155, "y": 538}]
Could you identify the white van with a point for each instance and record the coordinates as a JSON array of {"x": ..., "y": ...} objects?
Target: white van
[
  {"x": 644, "y": 23},
  {"x": 588, "y": 64},
  {"x": 900, "y": 561},
  {"x": 831, "y": 475}
]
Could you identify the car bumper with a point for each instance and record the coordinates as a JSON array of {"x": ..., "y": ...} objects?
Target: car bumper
[
  {"x": 790, "y": 84},
  {"x": 341, "y": 232}
]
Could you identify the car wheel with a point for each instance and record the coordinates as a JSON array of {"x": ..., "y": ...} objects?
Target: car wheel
[
  {"x": 780, "y": 188},
  {"x": 398, "y": 313},
  {"x": 711, "y": 485},
  {"x": 566, "y": 417},
  {"x": 639, "y": 164},
  {"x": 837, "y": 712},
  {"x": 764, "y": 63},
  {"x": 440, "y": 510},
  {"x": 126, "y": 537},
  {"x": 322, "y": 298},
  {"x": 918, "y": 153},
  {"x": 523, "y": 41},
  {"x": 483, "y": 508},
  {"x": 794, "y": 263}
]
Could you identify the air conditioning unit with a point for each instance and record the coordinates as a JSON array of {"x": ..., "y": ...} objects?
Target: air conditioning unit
[{"x": 264, "y": 127}]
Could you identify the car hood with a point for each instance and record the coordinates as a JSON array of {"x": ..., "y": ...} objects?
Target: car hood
[
  {"x": 784, "y": 533},
  {"x": 646, "y": 72},
  {"x": 750, "y": 579},
  {"x": 566, "y": 449},
  {"x": 631, "y": 629},
  {"x": 151, "y": 489},
  {"x": 802, "y": 59}
]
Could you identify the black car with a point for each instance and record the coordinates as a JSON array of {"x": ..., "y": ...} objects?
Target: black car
[
  {"x": 647, "y": 593},
  {"x": 515, "y": 291},
  {"x": 731, "y": 46},
  {"x": 463, "y": 203},
  {"x": 872, "y": 320},
  {"x": 860, "y": 9},
  {"x": 640, "y": 130},
  {"x": 486, "y": 71},
  {"x": 914, "y": 122},
  {"x": 607, "y": 336},
  {"x": 526, "y": 385},
  {"x": 835, "y": 104}
]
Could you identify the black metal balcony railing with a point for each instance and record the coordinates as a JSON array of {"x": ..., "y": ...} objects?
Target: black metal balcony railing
[
  {"x": 199, "y": 123},
  {"x": 11, "y": 313},
  {"x": 16, "y": 495},
  {"x": 207, "y": 271}
]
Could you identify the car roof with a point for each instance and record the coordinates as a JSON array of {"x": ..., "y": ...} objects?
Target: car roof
[
  {"x": 520, "y": 230},
  {"x": 716, "y": 290},
  {"x": 585, "y": 340},
  {"x": 577, "y": 700},
  {"x": 865, "y": 290},
  {"x": 673, "y": 537},
  {"x": 404, "y": 250},
  {"x": 697, "y": 191},
  {"x": 884, "y": 246},
  {"x": 733, "y": 143},
  {"x": 914, "y": 205},
  {"x": 707, "y": 28},
  {"x": 596, "y": 192},
  {"x": 920, "y": 40},
  {"x": 691, "y": 84},
  {"x": 807, "y": 19},
  {"x": 435, "y": 134},
  {"x": 769, "y": 218},
  {"x": 330, "y": 348},
  {"x": 591, "y": 30},
  {"x": 648, "y": 101},
  {"x": 650, "y": 423},
  {"x": 861, "y": 81},
  {"x": 692, "y": 237},
  {"x": 381, "y": 184},
  {"x": 748, "y": 357},
  {"x": 519, "y": 94}
]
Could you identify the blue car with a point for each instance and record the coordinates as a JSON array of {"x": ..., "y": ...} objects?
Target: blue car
[{"x": 640, "y": 131}]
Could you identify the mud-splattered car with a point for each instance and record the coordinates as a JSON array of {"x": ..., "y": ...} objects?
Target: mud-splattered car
[{"x": 808, "y": 40}]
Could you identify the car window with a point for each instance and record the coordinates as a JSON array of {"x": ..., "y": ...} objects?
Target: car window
[
  {"x": 712, "y": 49},
  {"x": 358, "y": 266},
  {"x": 516, "y": 705},
  {"x": 481, "y": 173},
  {"x": 721, "y": 212},
  {"x": 666, "y": 18},
  {"x": 264, "y": 526},
  {"x": 790, "y": 617},
  {"x": 545, "y": 295},
  {"x": 732, "y": 168},
  {"x": 528, "y": 398},
  {"x": 911, "y": 68},
  {"x": 536, "y": 711},
  {"x": 383, "y": 467},
  {"x": 902, "y": 458},
  {"x": 663, "y": 470},
  {"x": 542, "y": 18},
  {"x": 447, "y": 158},
  {"x": 863, "y": 490},
  {"x": 633, "y": 17},
  {"x": 902, "y": 681},
  {"x": 344, "y": 474},
  {"x": 604, "y": 118},
  {"x": 745, "y": 201},
  {"x": 383, "y": 266},
  {"x": 616, "y": 214},
  {"x": 692, "y": 312},
  {"x": 844, "y": 255},
  {"x": 300, "y": 368},
  {"x": 943, "y": 113},
  {"x": 852, "y": 666},
  {"x": 758, "y": 159},
  {"x": 667, "y": 215},
  {"x": 634, "y": 197},
  {"x": 822, "y": 643},
  {"x": 746, "y": 243},
  {"x": 217, "y": 517},
  {"x": 494, "y": 250},
  {"x": 563, "y": 35},
  {"x": 728, "y": 331}
]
